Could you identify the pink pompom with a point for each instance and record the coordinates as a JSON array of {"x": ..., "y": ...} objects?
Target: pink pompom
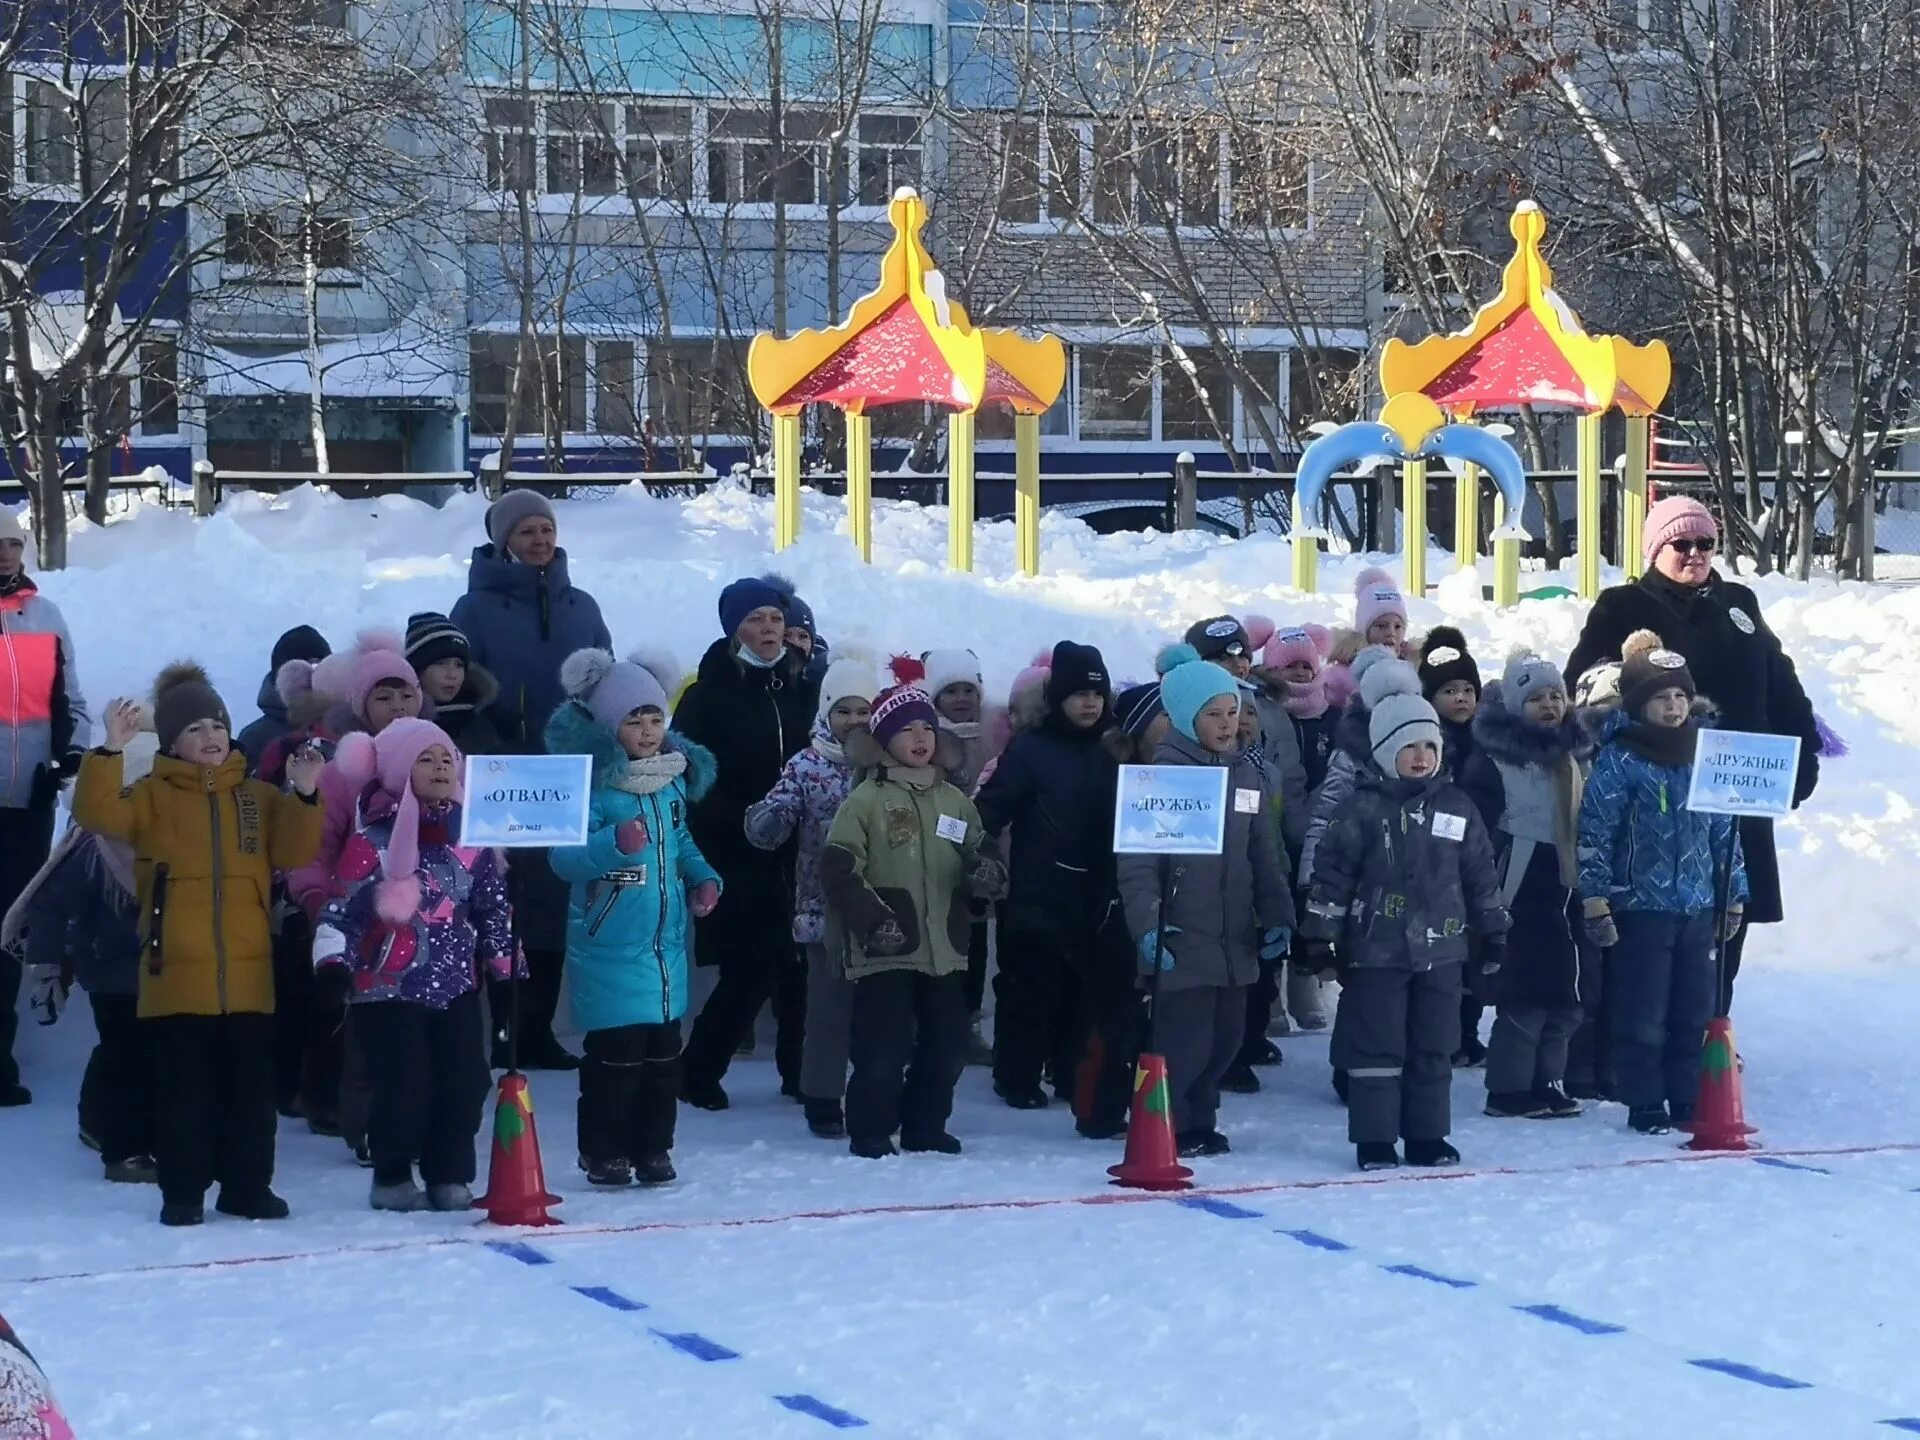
[
  {"x": 1259, "y": 631},
  {"x": 356, "y": 760},
  {"x": 397, "y": 901},
  {"x": 1341, "y": 687}
]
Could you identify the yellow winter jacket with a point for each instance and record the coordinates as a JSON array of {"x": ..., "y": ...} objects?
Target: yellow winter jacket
[{"x": 217, "y": 837}]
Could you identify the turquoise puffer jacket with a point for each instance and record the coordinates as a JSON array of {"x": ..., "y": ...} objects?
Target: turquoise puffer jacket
[{"x": 628, "y": 924}]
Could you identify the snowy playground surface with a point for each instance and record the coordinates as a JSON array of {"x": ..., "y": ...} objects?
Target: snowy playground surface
[{"x": 1572, "y": 1280}]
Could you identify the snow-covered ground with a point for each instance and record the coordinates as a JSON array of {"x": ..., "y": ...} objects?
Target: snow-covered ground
[{"x": 1573, "y": 1280}]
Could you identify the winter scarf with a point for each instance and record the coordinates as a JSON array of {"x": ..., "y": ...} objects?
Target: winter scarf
[
  {"x": 651, "y": 775},
  {"x": 1308, "y": 701},
  {"x": 822, "y": 740},
  {"x": 1666, "y": 745}
]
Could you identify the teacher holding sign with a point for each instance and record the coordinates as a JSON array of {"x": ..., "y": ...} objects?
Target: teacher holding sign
[{"x": 1716, "y": 626}]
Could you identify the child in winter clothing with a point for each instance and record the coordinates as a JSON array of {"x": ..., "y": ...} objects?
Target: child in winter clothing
[
  {"x": 634, "y": 885},
  {"x": 1053, "y": 789},
  {"x": 810, "y": 791},
  {"x": 1224, "y": 915},
  {"x": 1225, "y": 642},
  {"x": 902, "y": 857},
  {"x": 419, "y": 916},
  {"x": 303, "y": 643},
  {"x": 1450, "y": 679},
  {"x": 1256, "y": 1049},
  {"x": 1403, "y": 882},
  {"x": 206, "y": 841},
  {"x": 78, "y": 920},
  {"x": 953, "y": 679},
  {"x": 1526, "y": 776},
  {"x": 455, "y": 693},
  {"x": 1379, "y": 610},
  {"x": 1648, "y": 870}
]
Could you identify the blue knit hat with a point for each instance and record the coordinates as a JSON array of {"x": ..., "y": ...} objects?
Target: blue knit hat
[
  {"x": 1188, "y": 688},
  {"x": 742, "y": 598}
]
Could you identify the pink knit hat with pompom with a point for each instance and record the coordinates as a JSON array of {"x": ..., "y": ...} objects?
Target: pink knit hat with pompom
[
  {"x": 1296, "y": 644},
  {"x": 388, "y": 758},
  {"x": 1375, "y": 594}
]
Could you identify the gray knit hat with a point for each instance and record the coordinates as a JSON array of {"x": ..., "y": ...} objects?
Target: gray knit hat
[
  {"x": 506, "y": 513},
  {"x": 1398, "y": 715},
  {"x": 610, "y": 690},
  {"x": 1527, "y": 675},
  {"x": 10, "y": 526}
]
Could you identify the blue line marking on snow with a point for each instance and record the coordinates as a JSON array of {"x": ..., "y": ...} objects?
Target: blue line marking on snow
[
  {"x": 519, "y": 1250},
  {"x": 1421, "y": 1273},
  {"x": 1225, "y": 1209},
  {"x": 1906, "y": 1423},
  {"x": 820, "y": 1410},
  {"x": 1314, "y": 1239},
  {"x": 612, "y": 1299},
  {"x": 1774, "y": 1162},
  {"x": 1751, "y": 1374},
  {"x": 698, "y": 1346},
  {"x": 1555, "y": 1315}
]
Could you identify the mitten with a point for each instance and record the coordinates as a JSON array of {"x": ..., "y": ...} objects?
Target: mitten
[
  {"x": 630, "y": 836},
  {"x": 49, "y": 995},
  {"x": 703, "y": 897},
  {"x": 989, "y": 878},
  {"x": 1157, "y": 940},
  {"x": 1731, "y": 922},
  {"x": 329, "y": 947},
  {"x": 1493, "y": 954},
  {"x": 1600, "y": 927},
  {"x": 1275, "y": 942},
  {"x": 1317, "y": 957}
]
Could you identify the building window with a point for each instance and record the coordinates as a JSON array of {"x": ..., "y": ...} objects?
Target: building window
[
  {"x": 1423, "y": 53},
  {"x": 745, "y": 165},
  {"x": 567, "y": 380},
  {"x": 1116, "y": 392},
  {"x": 509, "y": 141},
  {"x": 1184, "y": 413},
  {"x": 160, "y": 387},
  {"x": 696, "y": 388},
  {"x": 50, "y": 151},
  {"x": 1043, "y": 169},
  {"x": 1270, "y": 180},
  {"x": 613, "y": 392},
  {"x": 271, "y": 240},
  {"x": 889, "y": 156},
  {"x": 583, "y": 153},
  {"x": 659, "y": 152},
  {"x": 1156, "y": 175}
]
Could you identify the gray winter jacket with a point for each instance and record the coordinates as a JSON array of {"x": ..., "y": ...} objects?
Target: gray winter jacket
[
  {"x": 1219, "y": 905},
  {"x": 1282, "y": 746},
  {"x": 1404, "y": 875}
]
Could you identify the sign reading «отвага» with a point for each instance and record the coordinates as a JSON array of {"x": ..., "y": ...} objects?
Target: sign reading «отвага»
[
  {"x": 1739, "y": 772},
  {"x": 526, "y": 800},
  {"x": 1171, "y": 810}
]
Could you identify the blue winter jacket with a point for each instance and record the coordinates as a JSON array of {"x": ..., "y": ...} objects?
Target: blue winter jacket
[
  {"x": 628, "y": 925},
  {"x": 522, "y": 623},
  {"x": 1640, "y": 847}
]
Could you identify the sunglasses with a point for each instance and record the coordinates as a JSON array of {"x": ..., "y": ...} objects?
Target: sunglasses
[{"x": 1686, "y": 547}]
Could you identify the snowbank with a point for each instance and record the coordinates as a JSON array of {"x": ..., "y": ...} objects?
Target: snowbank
[{"x": 159, "y": 584}]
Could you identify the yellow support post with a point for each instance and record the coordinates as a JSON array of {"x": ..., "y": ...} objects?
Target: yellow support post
[
  {"x": 1026, "y": 490},
  {"x": 1413, "y": 525},
  {"x": 1587, "y": 486},
  {"x": 1506, "y": 560},
  {"x": 1466, "y": 517},
  {"x": 960, "y": 491},
  {"x": 786, "y": 480},
  {"x": 1633, "y": 494},
  {"x": 860, "y": 483},
  {"x": 1306, "y": 551}
]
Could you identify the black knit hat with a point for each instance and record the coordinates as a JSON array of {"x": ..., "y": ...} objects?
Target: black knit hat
[
  {"x": 1138, "y": 707},
  {"x": 1444, "y": 658},
  {"x": 1222, "y": 635},
  {"x": 1646, "y": 668},
  {"x": 431, "y": 638},
  {"x": 303, "y": 642},
  {"x": 1076, "y": 668}
]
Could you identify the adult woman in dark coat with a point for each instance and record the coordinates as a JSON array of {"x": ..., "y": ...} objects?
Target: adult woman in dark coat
[
  {"x": 1716, "y": 625},
  {"x": 752, "y": 706},
  {"x": 522, "y": 616}
]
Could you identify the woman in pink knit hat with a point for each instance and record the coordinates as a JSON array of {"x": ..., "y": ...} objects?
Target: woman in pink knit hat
[{"x": 1714, "y": 624}]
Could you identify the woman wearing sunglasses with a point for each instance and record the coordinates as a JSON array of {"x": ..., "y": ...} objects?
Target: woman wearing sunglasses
[{"x": 1716, "y": 626}]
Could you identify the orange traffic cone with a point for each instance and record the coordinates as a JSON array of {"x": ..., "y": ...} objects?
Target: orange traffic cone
[
  {"x": 1719, "y": 1114},
  {"x": 1152, "y": 1161},
  {"x": 516, "y": 1182}
]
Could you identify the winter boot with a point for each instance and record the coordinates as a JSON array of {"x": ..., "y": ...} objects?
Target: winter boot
[
  {"x": 183, "y": 1212},
  {"x": 938, "y": 1143},
  {"x": 1240, "y": 1081},
  {"x": 1471, "y": 1055},
  {"x": 704, "y": 1094},
  {"x": 402, "y": 1197},
  {"x": 320, "y": 1122},
  {"x": 1431, "y": 1153},
  {"x": 791, "y": 1089},
  {"x": 258, "y": 1205},
  {"x": 1200, "y": 1144},
  {"x": 134, "y": 1170},
  {"x": 1028, "y": 1098},
  {"x": 1100, "y": 1129},
  {"x": 452, "y": 1197},
  {"x": 825, "y": 1119},
  {"x": 656, "y": 1170},
  {"x": 1556, "y": 1103},
  {"x": 1267, "y": 1053},
  {"x": 1377, "y": 1155},
  {"x": 878, "y": 1148},
  {"x": 613, "y": 1174},
  {"x": 88, "y": 1139},
  {"x": 1650, "y": 1120},
  {"x": 362, "y": 1153},
  {"x": 14, "y": 1095},
  {"x": 1587, "y": 1090},
  {"x": 1517, "y": 1105}
]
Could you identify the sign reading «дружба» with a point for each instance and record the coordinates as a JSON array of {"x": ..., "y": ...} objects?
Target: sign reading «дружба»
[
  {"x": 523, "y": 801},
  {"x": 1171, "y": 810}
]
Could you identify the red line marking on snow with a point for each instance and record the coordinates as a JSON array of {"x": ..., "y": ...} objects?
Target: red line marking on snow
[{"x": 950, "y": 1207}]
